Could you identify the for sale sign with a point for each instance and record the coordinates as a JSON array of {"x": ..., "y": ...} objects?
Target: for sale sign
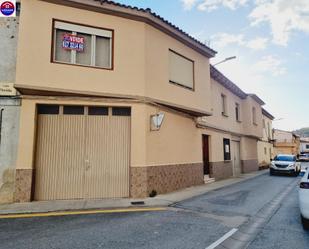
[
  {"x": 7, "y": 8},
  {"x": 73, "y": 42}
]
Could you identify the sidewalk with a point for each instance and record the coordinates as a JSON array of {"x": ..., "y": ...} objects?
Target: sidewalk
[{"x": 158, "y": 201}]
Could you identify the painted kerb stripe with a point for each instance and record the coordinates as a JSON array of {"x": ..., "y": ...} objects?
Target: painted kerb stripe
[{"x": 66, "y": 213}]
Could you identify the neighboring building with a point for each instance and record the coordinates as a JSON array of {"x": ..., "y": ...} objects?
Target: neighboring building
[
  {"x": 117, "y": 102},
  {"x": 304, "y": 145},
  {"x": 233, "y": 130},
  {"x": 286, "y": 142},
  {"x": 9, "y": 106},
  {"x": 265, "y": 145}
]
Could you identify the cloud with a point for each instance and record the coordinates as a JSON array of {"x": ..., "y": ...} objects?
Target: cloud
[
  {"x": 283, "y": 16},
  {"x": 188, "y": 4},
  {"x": 222, "y": 40},
  {"x": 270, "y": 64},
  {"x": 209, "y": 5},
  {"x": 258, "y": 43}
]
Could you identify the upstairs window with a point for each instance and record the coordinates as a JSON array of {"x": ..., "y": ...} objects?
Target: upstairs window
[
  {"x": 181, "y": 70},
  {"x": 223, "y": 105},
  {"x": 237, "y": 111},
  {"x": 254, "y": 115},
  {"x": 82, "y": 45},
  {"x": 269, "y": 132}
]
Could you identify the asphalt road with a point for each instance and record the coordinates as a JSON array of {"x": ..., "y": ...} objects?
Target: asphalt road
[{"x": 194, "y": 223}]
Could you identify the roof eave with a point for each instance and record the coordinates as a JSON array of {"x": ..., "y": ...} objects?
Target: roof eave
[
  {"x": 267, "y": 114},
  {"x": 142, "y": 15}
]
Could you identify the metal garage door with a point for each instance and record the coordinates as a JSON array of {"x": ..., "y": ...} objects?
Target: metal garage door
[{"x": 82, "y": 152}]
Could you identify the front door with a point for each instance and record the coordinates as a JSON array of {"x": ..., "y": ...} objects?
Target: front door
[
  {"x": 236, "y": 158},
  {"x": 206, "y": 154}
]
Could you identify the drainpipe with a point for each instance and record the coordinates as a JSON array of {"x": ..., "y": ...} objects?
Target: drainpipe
[{"x": 1, "y": 115}]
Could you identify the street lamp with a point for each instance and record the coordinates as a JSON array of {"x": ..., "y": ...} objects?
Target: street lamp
[{"x": 226, "y": 59}]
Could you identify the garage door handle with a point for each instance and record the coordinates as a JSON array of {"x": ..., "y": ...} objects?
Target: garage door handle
[{"x": 87, "y": 164}]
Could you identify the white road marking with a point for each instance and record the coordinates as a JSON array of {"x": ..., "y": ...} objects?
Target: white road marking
[{"x": 223, "y": 238}]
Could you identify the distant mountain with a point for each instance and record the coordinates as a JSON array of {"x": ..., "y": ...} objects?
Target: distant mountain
[{"x": 303, "y": 132}]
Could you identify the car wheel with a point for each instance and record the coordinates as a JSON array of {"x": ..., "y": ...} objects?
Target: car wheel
[{"x": 305, "y": 223}]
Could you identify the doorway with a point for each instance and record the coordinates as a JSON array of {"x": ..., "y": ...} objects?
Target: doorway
[
  {"x": 236, "y": 158},
  {"x": 206, "y": 154}
]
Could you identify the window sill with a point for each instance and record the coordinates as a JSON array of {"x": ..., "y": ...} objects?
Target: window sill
[
  {"x": 238, "y": 121},
  {"x": 225, "y": 115},
  {"x": 255, "y": 124},
  {"x": 227, "y": 161},
  {"x": 180, "y": 85},
  {"x": 79, "y": 65}
]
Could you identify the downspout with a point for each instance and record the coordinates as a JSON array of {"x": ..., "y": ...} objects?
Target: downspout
[{"x": 1, "y": 115}]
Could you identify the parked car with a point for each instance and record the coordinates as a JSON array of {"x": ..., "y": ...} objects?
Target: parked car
[
  {"x": 303, "y": 158},
  {"x": 303, "y": 195},
  {"x": 286, "y": 164}
]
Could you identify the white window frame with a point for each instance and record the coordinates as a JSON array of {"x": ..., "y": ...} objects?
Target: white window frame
[{"x": 94, "y": 32}]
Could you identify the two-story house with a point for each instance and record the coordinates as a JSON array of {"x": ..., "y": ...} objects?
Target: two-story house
[
  {"x": 118, "y": 102},
  {"x": 286, "y": 142},
  {"x": 230, "y": 135},
  {"x": 109, "y": 95},
  {"x": 265, "y": 145}
]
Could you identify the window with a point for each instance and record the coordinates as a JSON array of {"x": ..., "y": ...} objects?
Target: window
[
  {"x": 307, "y": 146},
  {"x": 254, "y": 115},
  {"x": 269, "y": 131},
  {"x": 181, "y": 70},
  {"x": 237, "y": 112},
  {"x": 48, "y": 109},
  {"x": 264, "y": 124},
  {"x": 97, "y": 111},
  {"x": 265, "y": 150},
  {"x": 82, "y": 45},
  {"x": 226, "y": 149},
  {"x": 121, "y": 111},
  {"x": 223, "y": 105},
  {"x": 73, "y": 110}
]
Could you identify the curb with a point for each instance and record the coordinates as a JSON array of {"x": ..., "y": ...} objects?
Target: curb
[{"x": 160, "y": 201}]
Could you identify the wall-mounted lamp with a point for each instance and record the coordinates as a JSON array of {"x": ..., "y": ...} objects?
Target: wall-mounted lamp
[{"x": 156, "y": 121}]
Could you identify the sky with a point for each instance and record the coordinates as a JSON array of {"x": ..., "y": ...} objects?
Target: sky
[{"x": 270, "y": 39}]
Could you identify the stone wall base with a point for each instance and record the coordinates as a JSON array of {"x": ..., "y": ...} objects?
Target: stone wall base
[
  {"x": 23, "y": 185},
  {"x": 249, "y": 165},
  {"x": 221, "y": 170},
  {"x": 164, "y": 179},
  {"x": 7, "y": 188}
]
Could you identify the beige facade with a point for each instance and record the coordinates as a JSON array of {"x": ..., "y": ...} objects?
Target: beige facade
[
  {"x": 286, "y": 142},
  {"x": 265, "y": 145},
  {"x": 241, "y": 129},
  {"x": 147, "y": 160}
]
